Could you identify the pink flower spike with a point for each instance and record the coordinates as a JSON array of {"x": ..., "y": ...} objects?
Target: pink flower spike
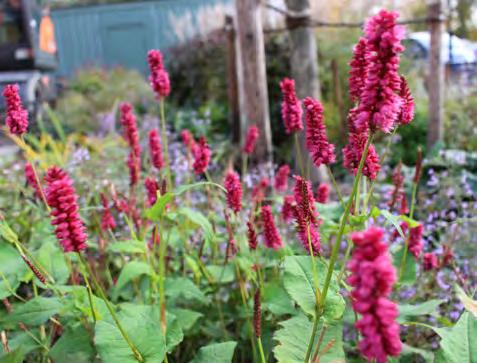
[
  {"x": 352, "y": 155},
  {"x": 357, "y": 73},
  {"x": 155, "y": 149},
  {"x": 270, "y": 231},
  {"x": 291, "y": 107},
  {"x": 323, "y": 193},
  {"x": 234, "y": 191},
  {"x": 16, "y": 115},
  {"x": 107, "y": 219},
  {"x": 321, "y": 151},
  {"x": 407, "y": 107},
  {"x": 152, "y": 186},
  {"x": 380, "y": 101},
  {"x": 415, "y": 240},
  {"x": 62, "y": 198},
  {"x": 32, "y": 180},
  {"x": 372, "y": 279},
  {"x": 201, "y": 156},
  {"x": 281, "y": 178},
  {"x": 251, "y": 236},
  {"x": 251, "y": 139},
  {"x": 288, "y": 208},
  {"x": 430, "y": 261},
  {"x": 158, "y": 78}
]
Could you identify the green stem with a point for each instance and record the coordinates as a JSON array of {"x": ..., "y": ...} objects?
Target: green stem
[
  {"x": 102, "y": 294},
  {"x": 88, "y": 286},
  {"x": 162, "y": 276},
  {"x": 318, "y": 306},
  {"x": 312, "y": 338},
  {"x": 406, "y": 243},
  {"x": 298, "y": 153},
  {"x": 344, "y": 220},
  {"x": 260, "y": 348},
  {"x": 335, "y": 185},
  {"x": 165, "y": 145}
]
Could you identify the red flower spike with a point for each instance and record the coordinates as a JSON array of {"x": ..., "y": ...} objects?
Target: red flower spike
[
  {"x": 234, "y": 191},
  {"x": 288, "y": 208},
  {"x": 321, "y": 151},
  {"x": 430, "y": 261},
  {"x": 352, "y": 155},
  {"x": 407, "y": 108},
  {"x": 415, "y": 240},
  {"x": 291, "y": 107},
  {"x": 323, "y": 193},
  {"x": 251, "y": 236},
  {"x": 281, "y": 178},
  {"x": 380, "y": 103},
  {"x": 270, "y": 231},
  {"x": 107, "y": 219},
  {"x": 357, "y": 73},
  {"x": 155, "y": 149},
  {"x": 372, "y": 279},
  {"x": 158, "y": 78},
  {"x": 152, "y": 186},
  {"x": 251, "y": 138},
  {"x": 62, "y": 198},
  {"x": 32, "y": 180},
  {"x": 201, "y": 156},
  {"x": 257, "y": 313},
  {"x": 16, "y": 115}
]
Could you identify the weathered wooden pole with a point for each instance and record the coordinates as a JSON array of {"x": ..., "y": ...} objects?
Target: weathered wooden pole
[
  {"x": 304, "y": 64},
  {"x": 435, "y": 82},
  {"x": 252, "y": 78},
  {"x": 232, "y": 82}
]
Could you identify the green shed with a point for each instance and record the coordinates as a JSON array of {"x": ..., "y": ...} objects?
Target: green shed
[{"x": 121, "y": 34}]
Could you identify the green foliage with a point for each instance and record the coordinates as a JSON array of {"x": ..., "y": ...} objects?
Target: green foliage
[
  {"x": 144, "y": 331},
  {"x": 35, "y": 311},
  {"x": 299, "y": 283},
  {"x": 293, "y": 341},
  {"x": 458, "y": 343},
  {"x": 216, "y": 353},
  {"x": 74, "y": 345}
]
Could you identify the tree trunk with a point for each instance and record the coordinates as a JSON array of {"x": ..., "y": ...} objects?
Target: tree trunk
[
  {"x": 304, "y": 66},
  {"x": 435, "y": 129},
  {"x": 252, "y": 76}
]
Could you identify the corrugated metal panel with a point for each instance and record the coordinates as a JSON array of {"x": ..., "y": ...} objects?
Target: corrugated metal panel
[{"x": 121, "y": 34}]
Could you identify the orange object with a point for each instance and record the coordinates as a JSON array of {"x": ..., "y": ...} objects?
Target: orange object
[{"x": 47, "y": 35}]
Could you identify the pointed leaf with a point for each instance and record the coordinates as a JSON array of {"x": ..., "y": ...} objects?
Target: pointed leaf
[
  {"x": 216, "y": 353},
  {"x": 74, "y": 345},
  {"x": 35, "y": 311}
]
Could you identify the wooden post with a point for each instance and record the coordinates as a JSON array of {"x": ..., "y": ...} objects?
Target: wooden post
[
  {"x": 252, "y": 76},
  {"x": 304, "y": 64},
  {"x": 232, "y": 83},
  {"x": 435, "y": 82},
  {"x": 338, "y": 96}
]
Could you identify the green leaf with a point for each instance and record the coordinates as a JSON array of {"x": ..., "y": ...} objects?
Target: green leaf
[
  {"x": 74, "y": 345},
  {"x": 294, "y": 336},
  {"x": 469, "y": 304},
  {"x": 15, "y": 356},
  {"x": 52, "y": 259},
  {"x": 157, "y": 210},
  {"x": 221, "y": 274},
  {"x": 186, "y": 318},
  {"x": 458, "y": 344},
  {"x": 12, "y": 269},
  {"x": 393, "y": 220},
  {"x": 407, "y": 311},
  {"x": 131, "y": 271},
  {"x": 409, "y": 272},
  {"x": 199, "y": 220},
  {"x": 299, "y": 283},
  {"x": 7, "y": 233},
  {"x": 216, "y": 353},
  {"x": 23, "y": 341},
  {"x": 174, "y": 334},
  {"x": 35, "y": 311},
  {"x": 144, "y": 332},
  {"x": 407, "y": 350},
  {"x": 184, "y": 289},
  {"x": 276, "y": 300},
  {"x": 129, "y": 247},
  {"x": 411, "y": 222}
]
